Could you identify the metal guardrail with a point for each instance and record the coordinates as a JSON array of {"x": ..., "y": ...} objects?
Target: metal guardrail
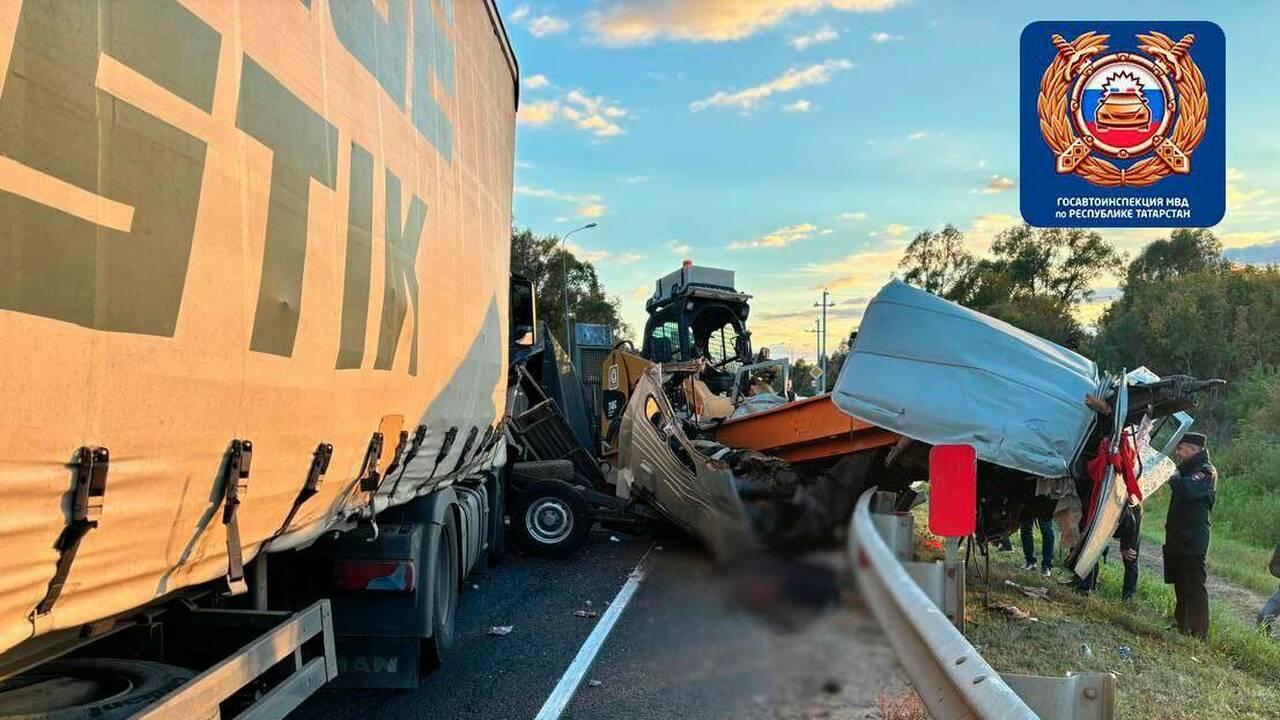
[{"x": 950, "y": 676}]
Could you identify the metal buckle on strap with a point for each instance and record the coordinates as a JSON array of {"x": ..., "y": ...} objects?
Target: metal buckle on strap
[
  {"x": 86, "y": 511},
  {"x": 239, "y": 460},
  {"x": 369, "y": 477},
  {"x": 466, "y": 447},
  {"x": 315, "y": 475},
  {"x": 419, "y": 437}
]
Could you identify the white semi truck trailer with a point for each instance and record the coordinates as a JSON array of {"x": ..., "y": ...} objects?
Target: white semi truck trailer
[{"x": 254, "y": 266}]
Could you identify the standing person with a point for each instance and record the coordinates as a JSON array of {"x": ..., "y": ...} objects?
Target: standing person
[
  {"x": 1128, "y": 533},
  {"x": 1186, "y": 533},
  {"x": 1271, "y": 609},
  {"x": 1046, "y": 543}
]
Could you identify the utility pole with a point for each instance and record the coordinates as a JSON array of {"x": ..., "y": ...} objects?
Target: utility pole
[
  {"x": 824, "y": 305},
  {"x": 817, "y": 342}
]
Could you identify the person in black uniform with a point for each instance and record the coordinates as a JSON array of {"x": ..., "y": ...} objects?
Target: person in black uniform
[
  {"x": 1129, "y": 533},
  {"x": 1186, "y": 533}
]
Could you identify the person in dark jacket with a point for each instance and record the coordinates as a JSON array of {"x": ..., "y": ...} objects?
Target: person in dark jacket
[
  {"x": 1186, "y": 533},
  {"x": 1129, "y": 533},
  {"x": 1271, "y": 609}
]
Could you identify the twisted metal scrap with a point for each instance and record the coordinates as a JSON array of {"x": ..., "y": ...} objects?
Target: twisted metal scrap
[{"x": 1188, "y": 129}]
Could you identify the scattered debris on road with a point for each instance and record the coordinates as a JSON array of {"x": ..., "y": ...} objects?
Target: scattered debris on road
[
  {"x": 586, "y": 613},
  {"x": 1014, "y": 612},
  {"x": 500, "y": 630},
  {"x": 1030, "y": 591},
  {"x": 594, "y": 683}
]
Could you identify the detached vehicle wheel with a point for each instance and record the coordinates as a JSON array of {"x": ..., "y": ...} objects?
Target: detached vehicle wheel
[
  {"x": 88, "y": 689},
  {"x": 550, "y": 519}
]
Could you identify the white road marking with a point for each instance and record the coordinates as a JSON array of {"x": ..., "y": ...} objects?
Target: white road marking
[{"x": 577, "y": 672}]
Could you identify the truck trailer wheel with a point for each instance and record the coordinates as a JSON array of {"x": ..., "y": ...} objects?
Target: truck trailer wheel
[
  {"x": 550, "y": 519},
  {"x": 444, "y": 594},
  {"x": 88, "y": 689}
]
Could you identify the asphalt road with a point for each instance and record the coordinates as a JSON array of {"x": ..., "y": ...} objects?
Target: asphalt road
[{"x": 682, "y": 648}]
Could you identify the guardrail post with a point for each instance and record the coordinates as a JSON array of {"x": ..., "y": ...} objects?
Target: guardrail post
[
  {"x": 1083, "y": 696},
  {"x": 943, "y": 582}
]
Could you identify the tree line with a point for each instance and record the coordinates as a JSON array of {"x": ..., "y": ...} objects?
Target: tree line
[{"x": 546, "y": 261}]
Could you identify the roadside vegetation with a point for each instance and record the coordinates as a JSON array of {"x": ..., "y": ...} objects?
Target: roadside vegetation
[
  {"x": 1184, "y": 309},
  {"x": 1161, "y": 674}
]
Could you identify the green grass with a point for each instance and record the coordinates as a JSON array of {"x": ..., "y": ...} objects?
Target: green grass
[{"x": 1169, "y": 676}]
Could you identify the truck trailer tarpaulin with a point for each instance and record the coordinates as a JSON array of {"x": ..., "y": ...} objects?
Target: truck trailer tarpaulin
[{"x": 239, "y": 222}]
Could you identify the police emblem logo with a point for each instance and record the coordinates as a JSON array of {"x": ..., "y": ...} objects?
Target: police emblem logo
[
  {"x": 1122, "y": 123},
  {"x": 1151, "y": 107}
]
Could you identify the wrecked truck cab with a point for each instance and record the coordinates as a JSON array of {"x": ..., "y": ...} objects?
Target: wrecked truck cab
[
  {"x": 660, "y": 465},
  {"x": 939, "y": 373}
]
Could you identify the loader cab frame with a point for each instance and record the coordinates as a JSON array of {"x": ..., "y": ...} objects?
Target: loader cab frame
[{"x": 697, "y": 313}]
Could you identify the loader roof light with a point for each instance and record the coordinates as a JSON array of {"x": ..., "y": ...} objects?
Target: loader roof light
[{"x": 373, "y": 575}]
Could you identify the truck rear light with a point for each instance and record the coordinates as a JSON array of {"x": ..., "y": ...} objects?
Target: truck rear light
[{"x": 373, "y": 575}]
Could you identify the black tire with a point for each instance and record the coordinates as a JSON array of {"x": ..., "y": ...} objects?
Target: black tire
[
  {"x": 497, "y": 521},
  {"x": 88, "y": 689},
  {"x": 550, "y": 519},
  {"x": 444, "y": 594}
]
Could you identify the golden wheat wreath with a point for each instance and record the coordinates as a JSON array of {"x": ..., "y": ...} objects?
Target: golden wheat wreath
[{"x": 1172, "y": 154}]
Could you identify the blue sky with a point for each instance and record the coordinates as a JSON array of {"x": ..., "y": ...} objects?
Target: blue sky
[{"x": 804, "y": 142}]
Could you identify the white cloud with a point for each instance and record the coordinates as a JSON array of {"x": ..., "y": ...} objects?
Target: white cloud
[
  {"x": 884, "y": 37},
  {"x": 678, "y": 247},
  {"x": 632, "y": 22},
  {"x": 639, "y": 292},
  {"x": 519, "y": 14},
  {"x": 997, "y": 184},
  {"x": 1238, "y": 198},
  {"x": 824, "y": 34},
  {"x": 629, "y": 257},
  {"x": 978, "y": 236},
  {"x": 918, "y": 135},
  {"x": 545, "y": 25},
  {"x": 533, "y": 82},
  {"x": 852, "y": 216},
  {"x": 803, "y": 106},
  {"x": 890, "y": 230},
  {"x": 634, "y": 179},
  {"x": 1247, "y": 238},
  {"x": 751, "y": 98},
  {"x": 594, "y": 114},
  {"x": 585, "y": 255},
  {"x": 781, "y": 237},
  {"x": 586, "y": 206},
  {"x": 538, "y": 113},
  {"x": 862, "y": 272}
]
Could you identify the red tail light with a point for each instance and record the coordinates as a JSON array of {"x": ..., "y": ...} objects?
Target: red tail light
[{"x": 373, "y": 575}]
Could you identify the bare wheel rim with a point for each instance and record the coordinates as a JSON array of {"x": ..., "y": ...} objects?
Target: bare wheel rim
[{"x": 549, "y": 520}]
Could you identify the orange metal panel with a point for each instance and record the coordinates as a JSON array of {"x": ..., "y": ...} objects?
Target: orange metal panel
[{"x": 809, "y": 429}]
